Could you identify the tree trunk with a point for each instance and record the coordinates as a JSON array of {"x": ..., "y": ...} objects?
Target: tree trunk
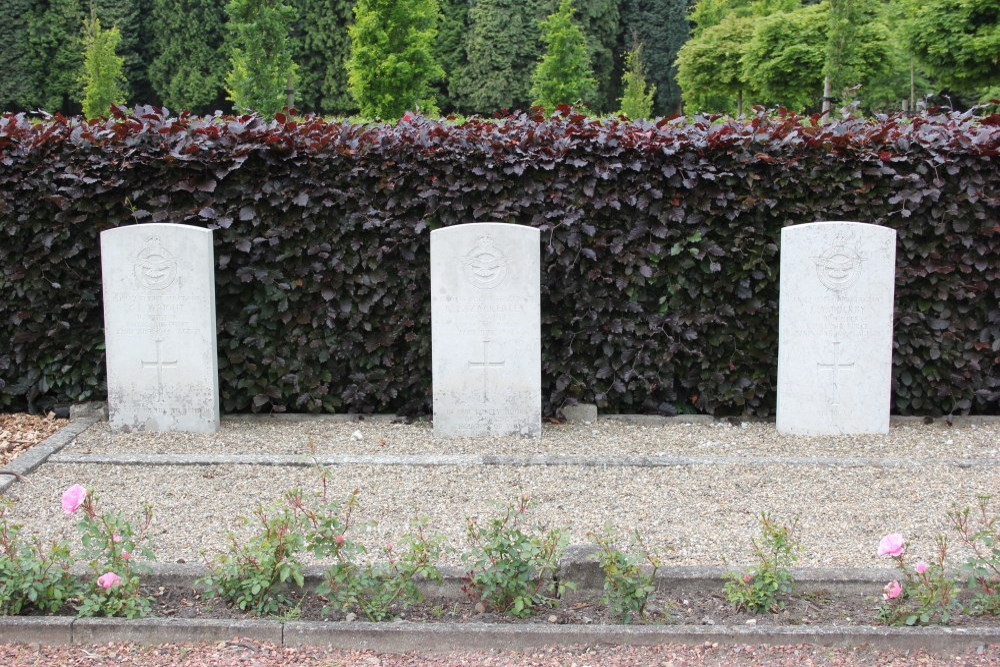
[
  {"x": 913, "y": 89},
  {"x": 827, "y": 97},
  {"x": 739, "y": 102},
  {"x": 290, "y": 91}
]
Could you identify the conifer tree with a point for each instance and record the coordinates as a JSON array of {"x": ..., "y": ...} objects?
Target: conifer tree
[
  {"x": 637, "y": 95},
  {"x": 189, "y": 65},
  {"x": 57, "y": 55},
  {"x": 320, "y": 49},
  {"x": 260, "y": 55},
  {"x": 501, "y": 48},
  {"x": 102, "y": 77},
  {"x": 563, "y": 75},
  {"x": 18, "y": 81},
  {"x": 392, "y": 62},
  {"x": 601, "y": 23},
  {"x": 133, "y": 18},
  {"x": 662, "y": 27},
  {"x": 449, "y": 50}
]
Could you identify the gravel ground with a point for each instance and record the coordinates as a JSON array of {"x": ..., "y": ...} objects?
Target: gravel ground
[
  {"x": 704, "y": 512},
  {"x": 242, "y": 435},
  {"x": 670, "y": 655}
]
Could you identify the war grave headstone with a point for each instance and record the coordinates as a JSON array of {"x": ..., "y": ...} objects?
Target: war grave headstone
[
  {"x": 160, "y": 329},
  {"x": 486, "y": 330},
  {"x": 835, "y": 328}
]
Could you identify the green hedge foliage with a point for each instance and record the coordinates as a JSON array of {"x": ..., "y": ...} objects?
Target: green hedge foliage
[{"x": 659, "y": 242}]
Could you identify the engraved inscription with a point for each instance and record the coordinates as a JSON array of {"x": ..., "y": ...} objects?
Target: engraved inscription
[
  {"x": 839, "y": 266},
  {"x": 155, "y": 267},
  {"x": 835, "y": 368},
  {"x": 485, "y": 265},
  {"x": 159, "y": 364},
  {"x": 486, "y": 364}
]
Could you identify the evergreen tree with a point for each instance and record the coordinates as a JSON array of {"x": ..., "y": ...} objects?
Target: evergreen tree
[
  {"x": 501, "y": 47},
  {"x": 133, "y": 18},
  {"x": 320, "y": 49},
  {"x": 637, "y": 96},
  {"x": 450, "y": 51},
  {"x": 17, "y": 85},
  {"x": 189, "y": 66},
  {"x": 662, "y": 26},
  {"x": 392, "y": 63},
  {"x": 57, "y": 55},
  {"x": 102, "y": 76},
  {"x": 563, "y": 75},
  {"x": 600, "y": 21},
  {"x": 260, "y": 55}
]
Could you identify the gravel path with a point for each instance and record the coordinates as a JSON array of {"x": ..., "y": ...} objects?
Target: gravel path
[
  {"x": 704, "y": 512},
  {"x": 243, "y": 435},
  {"x": 263, "y": 655}
]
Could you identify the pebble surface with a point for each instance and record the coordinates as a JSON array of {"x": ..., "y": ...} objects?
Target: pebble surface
[{"x": 700, "y": 514}]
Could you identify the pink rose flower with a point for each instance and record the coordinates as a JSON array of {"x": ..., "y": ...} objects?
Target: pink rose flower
[
  {"x": 891, "y": 545},
  {"x": 747, "y": 578},
  {"x": 892, "y": 590},
  {"x": 126, "y": 555},
  {"x": 73, "y": 498},
  {"x": 339, "y": 539},
  {"x": 116, "y": 538},
  {"x": 920, "y": 567},
  {"x": 108, "y": 580},
  {"x": 389, "y": 545}
]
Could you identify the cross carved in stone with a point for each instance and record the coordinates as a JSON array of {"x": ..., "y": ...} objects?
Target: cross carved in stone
[
  {"x": 835, "y": 368},
  {"x": 486, "y": 364},
  {"x": 159, "y": 364}
]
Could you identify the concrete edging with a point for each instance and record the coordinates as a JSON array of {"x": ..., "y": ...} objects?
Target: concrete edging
[
  {"x": 426, "y": 637},
  {"x": 40, "y": 453}
]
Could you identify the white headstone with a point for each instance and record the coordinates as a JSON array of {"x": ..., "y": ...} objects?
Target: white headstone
[
  {"x": 159, "y": 328},
  {"x": 835, "y": 328},
  {"x": 486, "y": 330}
]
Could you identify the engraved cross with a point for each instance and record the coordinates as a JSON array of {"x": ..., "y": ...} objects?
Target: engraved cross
[
  {"x": 485, "y": 364},
  {"x": 835, "y": 368},
  {"x": 160, "y": 364}
]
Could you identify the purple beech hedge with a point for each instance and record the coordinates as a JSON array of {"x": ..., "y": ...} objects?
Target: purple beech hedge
[{"x": 659, "y": 242}]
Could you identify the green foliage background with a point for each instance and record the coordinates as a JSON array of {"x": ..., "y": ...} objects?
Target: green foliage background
[{"x": 879, "y": 52}]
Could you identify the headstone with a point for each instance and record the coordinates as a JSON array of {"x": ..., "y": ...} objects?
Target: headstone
[
  {"x": 159, "y": 328},
  {"x": 486, "y": 330},
  {"x": 835, "y": 328}
]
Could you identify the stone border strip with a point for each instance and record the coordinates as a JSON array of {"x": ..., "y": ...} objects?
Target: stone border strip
[
  {"x": 40, "y": 453},
  {"x": 100, "y": 410},
  {"x": 578, "y": 565},
  {"x": 425, "y": 637},
  {"x": 514, "y": 461}
]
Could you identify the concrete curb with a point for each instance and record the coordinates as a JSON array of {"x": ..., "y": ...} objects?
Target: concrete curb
[
  {"x": 411, "y": 637},
  {"x": 40, "y": 453},
  {"x": 579, "y": 565},
  {"x": 629, "y": 461},
  {"x": 172, "y": 630},
  {"x": 581, "y": 413}
]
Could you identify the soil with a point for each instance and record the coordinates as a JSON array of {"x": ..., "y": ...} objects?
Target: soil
[
  {"x": 19, "y": 432},
  {"x": 705, "y": 607}
]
